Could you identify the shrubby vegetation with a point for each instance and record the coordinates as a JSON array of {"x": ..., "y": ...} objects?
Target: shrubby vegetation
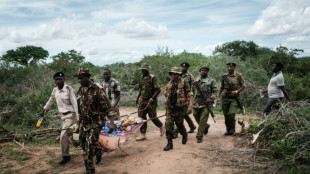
[{"x": 26, "y": 84}]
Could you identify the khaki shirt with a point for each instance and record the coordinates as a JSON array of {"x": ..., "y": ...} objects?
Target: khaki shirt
[
  {"x": 236, "y": 80},
  {"x": 65, "y": 99}
]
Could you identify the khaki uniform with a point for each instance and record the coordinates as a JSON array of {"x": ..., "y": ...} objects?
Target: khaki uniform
[
  {"x": 200, "y": 110},
  {"x": 176, "y": 103},
  {"x": 68, "y": 109},
  {"x": 148, "y": 85},
  {"x": 229, "y": 104},
  {"x": 93, "y": 106}
]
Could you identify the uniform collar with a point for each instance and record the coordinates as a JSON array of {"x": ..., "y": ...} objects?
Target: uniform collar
[
  {"x": 203, "y": 80},
  {"x": 276, "y": 73},
  {"x": 63, "y": 88},
  {"x": 234, "y": 74}
]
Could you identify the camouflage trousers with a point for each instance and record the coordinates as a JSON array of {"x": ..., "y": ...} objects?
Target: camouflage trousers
[
  {"x": 229, "y": 106},
  {"x": 201, "y": 116},
  {"x": 151, "y": 111},
  {"x": 175, "y": 116},
  {"x": 189, "y": 121},
  {"x": 91, "y": 148}
]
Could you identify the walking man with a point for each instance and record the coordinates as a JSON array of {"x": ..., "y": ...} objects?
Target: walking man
[
  {"x": 147, "y": 100},
  {"x": 209, "y": 91},
  {"x": 178, "y": 93},
  {"x": 65, "y": 98},
  {"x": 112, "y": 89},
  {"x": 276, "y": 90},
  {"x": 232, "y": 84},
  {"x": 189, "y": 78},
  {"x": 94, "y": 106}
]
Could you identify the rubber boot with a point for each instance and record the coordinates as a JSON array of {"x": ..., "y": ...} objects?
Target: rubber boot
[
  {"x": 169, "y": 145},
  {"x": 184, "y": 138}
]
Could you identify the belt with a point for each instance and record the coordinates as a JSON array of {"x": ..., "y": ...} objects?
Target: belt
[{"x": 66, "y": 113}]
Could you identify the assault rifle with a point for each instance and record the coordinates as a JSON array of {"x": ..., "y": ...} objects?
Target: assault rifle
[
  {"x": 204, "y": 100},
  {"x": 237, "y": 97}
]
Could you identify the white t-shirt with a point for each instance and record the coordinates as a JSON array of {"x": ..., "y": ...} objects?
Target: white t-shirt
[{"x": 273, "y": 88}]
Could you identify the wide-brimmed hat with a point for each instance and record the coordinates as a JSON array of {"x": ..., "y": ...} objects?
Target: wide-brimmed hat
[
  {"x": 176, "y": 70},
  {"x": 83, "y": 72},
  {"x": 145, "y": 66}
]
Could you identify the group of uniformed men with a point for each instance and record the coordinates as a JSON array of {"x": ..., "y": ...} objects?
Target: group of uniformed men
[{"x": 95, "y": 102}]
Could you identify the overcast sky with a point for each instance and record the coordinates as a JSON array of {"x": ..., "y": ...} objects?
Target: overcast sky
[{"x": 106, "y": 32}]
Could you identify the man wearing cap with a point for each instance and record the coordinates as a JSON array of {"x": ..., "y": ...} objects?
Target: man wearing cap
[
  {"x": 66, "y": 101},
  {"x": 189, "y": 78},
  {"x": 178, "y": 94},
  {"x": 200, "y": 110},
  {"x": 93, "y": 106},
  {"x": 147, "y": 100},
  {"x": 112, "y": 89},
  {"x": 232, "y": 84}
]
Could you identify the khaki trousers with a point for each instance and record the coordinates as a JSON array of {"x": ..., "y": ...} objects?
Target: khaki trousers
[{"x": 66, "y": 121}]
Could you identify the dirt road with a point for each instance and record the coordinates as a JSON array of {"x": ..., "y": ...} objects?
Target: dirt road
[{"x": 216, "y": 154}]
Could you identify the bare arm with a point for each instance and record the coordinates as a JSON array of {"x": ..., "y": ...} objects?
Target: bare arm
[
  {"x": 285, "y": 93},
  {"x": 118, "y": 94}
]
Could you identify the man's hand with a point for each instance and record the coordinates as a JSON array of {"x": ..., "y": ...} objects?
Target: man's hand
[
  {"x": 189, "y": 110},
  {"x": 111, "y": 128},
  {"x": 42, "y": 113},
  {"x": 150, "y": 101},
  {"x": 233, "y": 93}
]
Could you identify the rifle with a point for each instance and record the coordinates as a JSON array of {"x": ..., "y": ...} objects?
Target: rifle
[
  {"x": 204, "y": 99},
  {"x": 237, "y": 97}
]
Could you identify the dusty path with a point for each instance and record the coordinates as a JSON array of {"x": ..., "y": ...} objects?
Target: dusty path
[{"x": 216, "y": 154}]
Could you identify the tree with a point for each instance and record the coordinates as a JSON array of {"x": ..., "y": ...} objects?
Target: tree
[
  {"x": 25, "y": 55},
  {"x": 67, "y": 62},
  {"x": 241, "y": 49}
]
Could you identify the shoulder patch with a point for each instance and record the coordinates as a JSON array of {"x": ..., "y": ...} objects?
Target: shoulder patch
[{"x": 69, "y": 88}]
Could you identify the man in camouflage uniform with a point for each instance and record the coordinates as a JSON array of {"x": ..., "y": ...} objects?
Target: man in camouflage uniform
[
  {"x": 112, "y": 89},
  {"x": 93, "y": 106},
  {"x": 147, "y": 100},
  {"x": 229, "y": 103},
  {"x": 189, "y": 78},
  {"x": 179, "y": 99},
  {"x": 200, "y": 110}
]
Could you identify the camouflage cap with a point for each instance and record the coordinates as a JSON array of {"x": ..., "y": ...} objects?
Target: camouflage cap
[
  {"x": 176, "y": 70},
  {"x": 146, "y": 67},
  {"x": 83, "y": 72},
  {"x": 205, "y": 67}
]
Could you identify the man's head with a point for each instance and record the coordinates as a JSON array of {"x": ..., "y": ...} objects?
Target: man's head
[
  {"x": 277, "y": 67},
  {"x": 83, "y": 76},
  {"x": 145, "y": 68},
  {"x": 106, "y": 74},
  {"x": 59, "y": 78},
  {"x": 185, "y": 66},
  {"x": 204, "y": 71},
  {"x": 175, "y": 73},
  {"x": 231, "y": 67}
]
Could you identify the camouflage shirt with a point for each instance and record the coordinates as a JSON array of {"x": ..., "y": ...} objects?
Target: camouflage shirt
[
  {"x": 236, "y": 80},
  {"x": 208, "y": 88},
  {"x": 147, "y": 85},
  {"x": 110, "y": 88},
  {"x": 189, "y": 78},
  {"x": 182, "y": 93},
  {"x": 93, "y": 105}
]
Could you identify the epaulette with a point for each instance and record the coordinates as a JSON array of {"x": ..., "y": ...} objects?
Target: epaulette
[
  {"x": 237, "y": 73},
  {"x": 69, "y": 88}
]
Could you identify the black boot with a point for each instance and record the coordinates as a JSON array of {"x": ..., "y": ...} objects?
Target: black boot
[
  {"x": 175, "y": 135},
  {"x": 64, "y": 160},
  {"x": 169, "y": 145},
  {"x": 232, "y": 131},
  {"x": 184, "y": 138},
  {"x": 98, "y": 159},
  {"x": 199, "y": 140},
  {"x": 206, "y": 131},
  {"x": 191, "y": 130}
]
